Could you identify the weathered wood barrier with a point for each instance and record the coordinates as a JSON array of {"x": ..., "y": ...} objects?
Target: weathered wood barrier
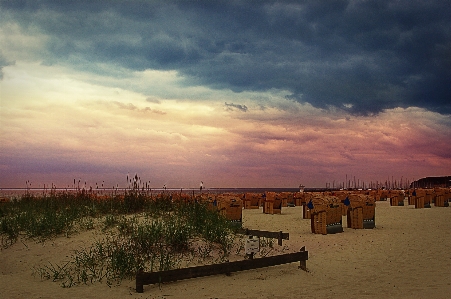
[
  {"x": 265, "y": 234},
  {"x": 146, "y": 278}
]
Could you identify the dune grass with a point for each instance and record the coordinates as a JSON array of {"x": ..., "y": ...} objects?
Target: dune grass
[{"x": 138, "y": 232}]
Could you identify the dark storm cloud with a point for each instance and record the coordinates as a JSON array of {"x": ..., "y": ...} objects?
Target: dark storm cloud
[
  {"x": 3, "y": 62},
  {"x": 360, "y": 56},
  {"x": 130, "y": 106},
  {"x": 232, "y": 106}
]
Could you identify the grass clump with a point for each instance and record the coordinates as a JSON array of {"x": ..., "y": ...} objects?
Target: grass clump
[{"x": 140, "y": 232}]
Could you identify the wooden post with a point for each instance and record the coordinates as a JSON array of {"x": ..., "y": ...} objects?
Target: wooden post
[
  {"x": 303, "y": 263},
  {"x": 139, "y": 281}
]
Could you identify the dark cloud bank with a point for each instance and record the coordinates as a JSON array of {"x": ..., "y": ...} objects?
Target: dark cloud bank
[{"x": 360, "y": 56}]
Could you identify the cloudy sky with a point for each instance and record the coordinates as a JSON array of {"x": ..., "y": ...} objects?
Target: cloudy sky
[{"x": 233, "y": 93}]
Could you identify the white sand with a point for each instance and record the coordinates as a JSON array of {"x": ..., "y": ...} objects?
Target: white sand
[{"x": 407, "y": 255}]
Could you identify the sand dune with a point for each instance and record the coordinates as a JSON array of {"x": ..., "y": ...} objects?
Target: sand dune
[{"x": 407, "y": 255}]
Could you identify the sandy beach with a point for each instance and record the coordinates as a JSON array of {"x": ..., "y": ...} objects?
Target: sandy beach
[{"x": 407, "y": 255}]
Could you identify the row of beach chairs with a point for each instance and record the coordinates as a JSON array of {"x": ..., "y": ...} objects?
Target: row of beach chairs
[
  {"x": 325, "y": 210},
  {"x": 421, "y": 198}
]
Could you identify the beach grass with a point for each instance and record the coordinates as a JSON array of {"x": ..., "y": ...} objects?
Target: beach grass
[{"x": 139, "y": 231}]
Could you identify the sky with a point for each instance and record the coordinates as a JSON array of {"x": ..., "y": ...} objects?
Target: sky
[{"x": 232, "y": 93}]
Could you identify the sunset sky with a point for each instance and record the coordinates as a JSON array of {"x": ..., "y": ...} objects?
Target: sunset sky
[{"x": 231, "y": 93}]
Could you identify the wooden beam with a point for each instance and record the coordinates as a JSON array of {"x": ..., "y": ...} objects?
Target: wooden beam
[
  {"x": 266, "y": 234},
  {"x": 145, "y": 278}
]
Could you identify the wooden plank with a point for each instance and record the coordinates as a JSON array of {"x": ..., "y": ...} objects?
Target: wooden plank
[
  {"x": 265, "y": 234},
  {"x": 145, "y": 278}
]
